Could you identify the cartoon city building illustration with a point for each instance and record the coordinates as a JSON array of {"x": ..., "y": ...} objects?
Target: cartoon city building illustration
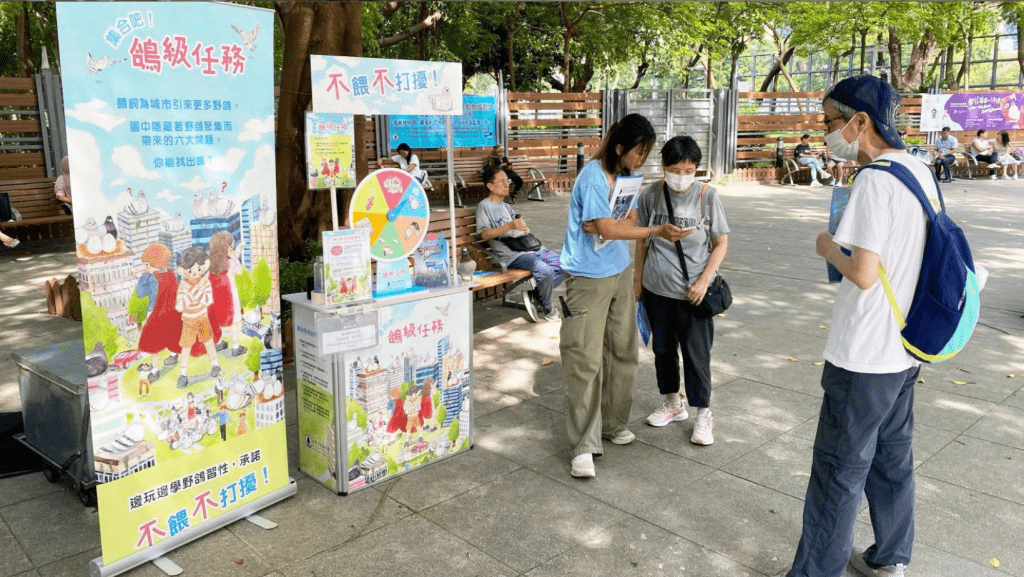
[
  {"x": 250, "y": 215},
  {"x": 138, "y": 231},
  {"x": 127, "y": 453},
  {"x": 110, "y": 278},
  {"x": 270, "y": 404},
  {"x": 203, "y": 229},
  {"x": 372, "y": 390},
  {"x": 177, "y": 241},
  {"x": 263, "y": 244}
]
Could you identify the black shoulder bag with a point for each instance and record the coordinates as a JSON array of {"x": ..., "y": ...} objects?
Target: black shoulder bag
[
  {"x": 718, "y": 298},
  {"x": 523, "y": 243}
]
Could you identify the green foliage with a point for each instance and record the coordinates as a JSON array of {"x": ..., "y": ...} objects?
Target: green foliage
[
  {"x": 252, "y": 358},
  {"x": 261, "y": 283},
  {"x": 138, "y": 307},
  {"x": 96, "y": 327},
  {"x": 453, "y": 431},
  {"x": 440, "y": 410},
  {"x": 293, "y": 276},
  {"x": 392, "y": 466},
  {"x": 405, "y": 388},
  {"x": 245, "y": 284},
  {"x": 354, "y": 410}
]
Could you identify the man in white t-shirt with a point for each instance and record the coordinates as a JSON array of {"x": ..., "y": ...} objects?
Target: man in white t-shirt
[{"x": 863, "y": 442}]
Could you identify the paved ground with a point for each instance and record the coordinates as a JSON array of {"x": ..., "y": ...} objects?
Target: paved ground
[{"x": 660, "y": 506}]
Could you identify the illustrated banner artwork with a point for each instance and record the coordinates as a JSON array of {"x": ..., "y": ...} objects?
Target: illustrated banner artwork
[
  {"x": 379, "y": 86},
  {"x": 329, "y": 144},
  {"x": 475, "y": 127},
  {"x": 973, "y": 111},
  {"x": 170, "y": 129}
]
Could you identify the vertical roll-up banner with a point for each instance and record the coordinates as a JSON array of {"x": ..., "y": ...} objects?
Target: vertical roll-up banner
[{"x": 170, "y": 126}]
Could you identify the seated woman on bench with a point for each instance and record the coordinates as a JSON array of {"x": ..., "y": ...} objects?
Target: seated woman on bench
[{"x": 408, "y": 162}]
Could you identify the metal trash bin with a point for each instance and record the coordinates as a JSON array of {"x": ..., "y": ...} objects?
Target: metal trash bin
[{"x": 55, "y": 407}]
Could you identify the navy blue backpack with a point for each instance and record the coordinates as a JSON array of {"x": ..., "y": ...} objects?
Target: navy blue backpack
[{"x": 946, "y": 301}]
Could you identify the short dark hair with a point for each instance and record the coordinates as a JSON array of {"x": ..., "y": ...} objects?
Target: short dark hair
[
  {"x": 404, "y": 147},
  {"x": 193, "y": 256},
  {"x": 1004, "y": 138},
  {"x": 944, "y": 129},
  {"x": 680, "y": 149},
  {"x": 805, "y": 137},
  {"x": 489, "y": 172},
  {"x": 981, "y": 131},
  {"x": 633, "y": 131}
]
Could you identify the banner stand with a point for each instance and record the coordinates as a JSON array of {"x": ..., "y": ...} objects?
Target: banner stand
[
  {"x": 157, "y": 552},
  {"x": 334, "y": 207}
]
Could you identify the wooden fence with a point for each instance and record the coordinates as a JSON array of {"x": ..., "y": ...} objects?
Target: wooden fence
[
  {"x": 24, "y": 151},
  {"x": 546, "y": 128}
]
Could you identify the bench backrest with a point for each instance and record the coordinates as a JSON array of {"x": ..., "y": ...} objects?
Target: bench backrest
[{"x": 33, "y": 197}]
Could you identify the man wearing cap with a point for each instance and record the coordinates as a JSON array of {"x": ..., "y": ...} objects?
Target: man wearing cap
[
  {"x": 945, "y": 146},
  {"x": 863, "y": 442}
]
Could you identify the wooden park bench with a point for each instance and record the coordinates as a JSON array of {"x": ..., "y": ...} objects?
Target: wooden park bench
[
  {"x": 43, "y": 216},
  {"x": 494, "y": 279},
  {"x": 795, "y": 169}
]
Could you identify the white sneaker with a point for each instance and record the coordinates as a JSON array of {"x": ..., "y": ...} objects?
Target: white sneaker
[
  {"x": 815, "y": 184},
  {"x": 667, "y": 414},
  {"x": 702, "y": 427},
  {"x": 1015, "y": 176},
  {"x": 994, "y": 177},
  {"x": 857, "y": 559},
  {"x": 582, "y": 466},
  {"x": 623, "y": 437},
  {"x": 552, "y": 316},
  {"x": 824, "y": 174}
]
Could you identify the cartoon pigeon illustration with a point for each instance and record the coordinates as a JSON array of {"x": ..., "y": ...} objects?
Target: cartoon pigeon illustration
[
  {"x": 248, "y": 38},
  {"x": 98, "y": 65},
  {"x": 441, "y": 102},
  {"x": 174, "y": 224},
  {"x": 139, "y": 205},
  {"x": 268, "y": 215},
  {"x": 110, "y": 226},
  {"x": 198, "y": 205}
]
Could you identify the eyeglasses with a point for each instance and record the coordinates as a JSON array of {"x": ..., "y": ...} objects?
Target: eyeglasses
[
  {"x": 829, "y": 121},
  {"x": 500, "y": 181}
]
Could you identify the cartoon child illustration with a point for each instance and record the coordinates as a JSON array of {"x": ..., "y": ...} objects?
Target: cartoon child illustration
[
  {"x": 243, "y": 425},
  {"x": 144, "y": 374},
  {"x": 398, "y": 421},
  {"x": 162, "y": 329},
  {"x": 412, "y": 410},
  {"x": 226, "y": 312},
  {"x": 223, "y": 418},
  {"x": 427, "y": 404},
  {"x": 193, "y": 298},
  {"x": 191, "y": 406}
]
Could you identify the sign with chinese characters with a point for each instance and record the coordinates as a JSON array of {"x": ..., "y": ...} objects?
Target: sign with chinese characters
[
  {"x": 329, "y": 144},
  {"x": 170, "y": 129},
  {"x": 346, "y": 265},
  {"x": 379, "y": 86},
  {"x": 973, "y": 111},
  {"x": 475, "y": 127}
]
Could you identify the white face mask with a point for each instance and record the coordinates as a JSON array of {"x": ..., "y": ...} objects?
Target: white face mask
[
  {"x": 679, "y": 182},
  {"x": 839, "y": 146}
]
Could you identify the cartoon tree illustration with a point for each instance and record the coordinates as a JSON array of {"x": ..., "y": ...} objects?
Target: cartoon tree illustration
[
  {"x": 97, "y": 327},
  {"x": 392, "y": 466},
  {"x": 261, "y": 284},
  {"x": 441, "y": 410},
  {"x": 138, "y": 308},
  {"x": 453, "y": 430},
  {"x": 245, "y": 284},
  {"x": 252, "y": 359},
  {"x": 358, "y": 412}
]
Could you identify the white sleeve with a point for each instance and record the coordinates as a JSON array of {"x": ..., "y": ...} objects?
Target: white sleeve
[{"x": 867, "y": 220}]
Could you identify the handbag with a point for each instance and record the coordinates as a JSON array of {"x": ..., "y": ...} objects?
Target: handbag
[
  {"x": 718, "y": 297},
  {"x": 525, "y": 243}
]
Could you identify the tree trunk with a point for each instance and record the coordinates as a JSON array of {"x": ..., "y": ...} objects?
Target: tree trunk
[
  {"x": 563, "y": 11},
  {"x": 422, "y": 40},
  {"x": 641, "y": 70},
  {"x": 766, "y": 84},
  {"x": 950, "y": 77},
  {"x": 863, "y": 47},
  {"x": 1020, "y": 44},
  {"x": 24, "y": 43},
  {"x": 309, "y": 28},
  {"x": 964, "y": 74},
  {"x": 511, "y": 60}
]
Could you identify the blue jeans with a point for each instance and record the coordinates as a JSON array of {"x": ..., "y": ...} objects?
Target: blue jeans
[
  {"x": 546, "y": 270},
  {"x": 942, "y": 163},
  {"x": 815, "y": 165},
  {"x": 863, "y": 444}
]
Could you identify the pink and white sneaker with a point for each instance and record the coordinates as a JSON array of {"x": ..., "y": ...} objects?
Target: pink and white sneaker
[{"x": 666, "y": 414}]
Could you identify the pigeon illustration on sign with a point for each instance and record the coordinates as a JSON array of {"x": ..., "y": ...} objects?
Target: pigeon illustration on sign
[
  {"x": 248, "y": 38},
  {"x": 97, "y": 65}
]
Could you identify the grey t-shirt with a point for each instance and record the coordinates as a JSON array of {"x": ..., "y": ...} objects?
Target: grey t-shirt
[
  {"x": 662, "y": 273},
  {"x": 492, "y": 215}
]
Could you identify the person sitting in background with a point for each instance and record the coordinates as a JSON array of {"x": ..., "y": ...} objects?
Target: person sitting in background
[
  {"x": 1001, "y": 146},
  {"x": 833, "y": 164},
  {"x": 983, "y": 150},
  {"x": 802, "y": 154},
  {"x": 407, "y": 161},
  {"x": 945, "y": 146},
  {"x": 498, "y": 160},
  {"x": 495, "y": 221},
  {"x": 62, "y": 186}
]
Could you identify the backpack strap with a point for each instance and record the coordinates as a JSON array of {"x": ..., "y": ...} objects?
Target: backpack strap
[{"x": 910, "y": 181}]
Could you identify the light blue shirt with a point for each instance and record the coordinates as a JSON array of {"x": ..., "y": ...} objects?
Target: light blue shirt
[
  {"x": 589, "y": 202},
  {"x": 946, "y": 145}
]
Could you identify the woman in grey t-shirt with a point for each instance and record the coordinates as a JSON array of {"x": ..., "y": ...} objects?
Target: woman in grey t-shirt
[{"x": 670, "y": 295}]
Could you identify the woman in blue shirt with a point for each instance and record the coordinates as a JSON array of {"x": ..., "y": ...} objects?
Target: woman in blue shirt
[{"x": 598, "y": 334}]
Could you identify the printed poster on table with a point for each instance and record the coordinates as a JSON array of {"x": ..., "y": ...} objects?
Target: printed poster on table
[
  {"x": 170, "y": 128},
  {"x": 346, "y": 265},
  {"x": 475, "y": 127},
  {"x": 381, "y": 86},
  {"x": 973, "y": 111},
  {"x": 330, "y": 160}
]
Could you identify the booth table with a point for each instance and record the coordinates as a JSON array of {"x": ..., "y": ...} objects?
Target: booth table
[{"x": 384, "y": 385}]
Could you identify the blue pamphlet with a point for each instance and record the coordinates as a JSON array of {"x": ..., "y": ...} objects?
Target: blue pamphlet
[
  {"x": 642, "y": 322},
  {"x": 840, "y": 198}
]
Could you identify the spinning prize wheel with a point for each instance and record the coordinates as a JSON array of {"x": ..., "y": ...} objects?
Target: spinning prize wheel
[{"x": 393, "y": 205}]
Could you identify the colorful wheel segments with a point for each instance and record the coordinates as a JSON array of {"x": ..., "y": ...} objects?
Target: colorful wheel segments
[{"x": 393, "y": 205}]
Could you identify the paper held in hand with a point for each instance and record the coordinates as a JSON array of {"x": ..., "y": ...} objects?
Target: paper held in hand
[
  {"x": 623, "y": 199},
  {"x": 840, "y": 197}
]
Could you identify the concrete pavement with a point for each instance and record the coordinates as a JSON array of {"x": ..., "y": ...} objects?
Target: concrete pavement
[{"x": 660, "y": 506}]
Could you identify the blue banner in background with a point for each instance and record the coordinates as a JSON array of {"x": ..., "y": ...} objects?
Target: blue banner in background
[{"x": 476, "y": 126}]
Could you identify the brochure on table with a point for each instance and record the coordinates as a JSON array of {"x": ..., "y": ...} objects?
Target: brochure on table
[
  {"x": 622, "y": 200},
  {"x": 170, "y": 131},
  {"x": 346, "y": 265}
]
